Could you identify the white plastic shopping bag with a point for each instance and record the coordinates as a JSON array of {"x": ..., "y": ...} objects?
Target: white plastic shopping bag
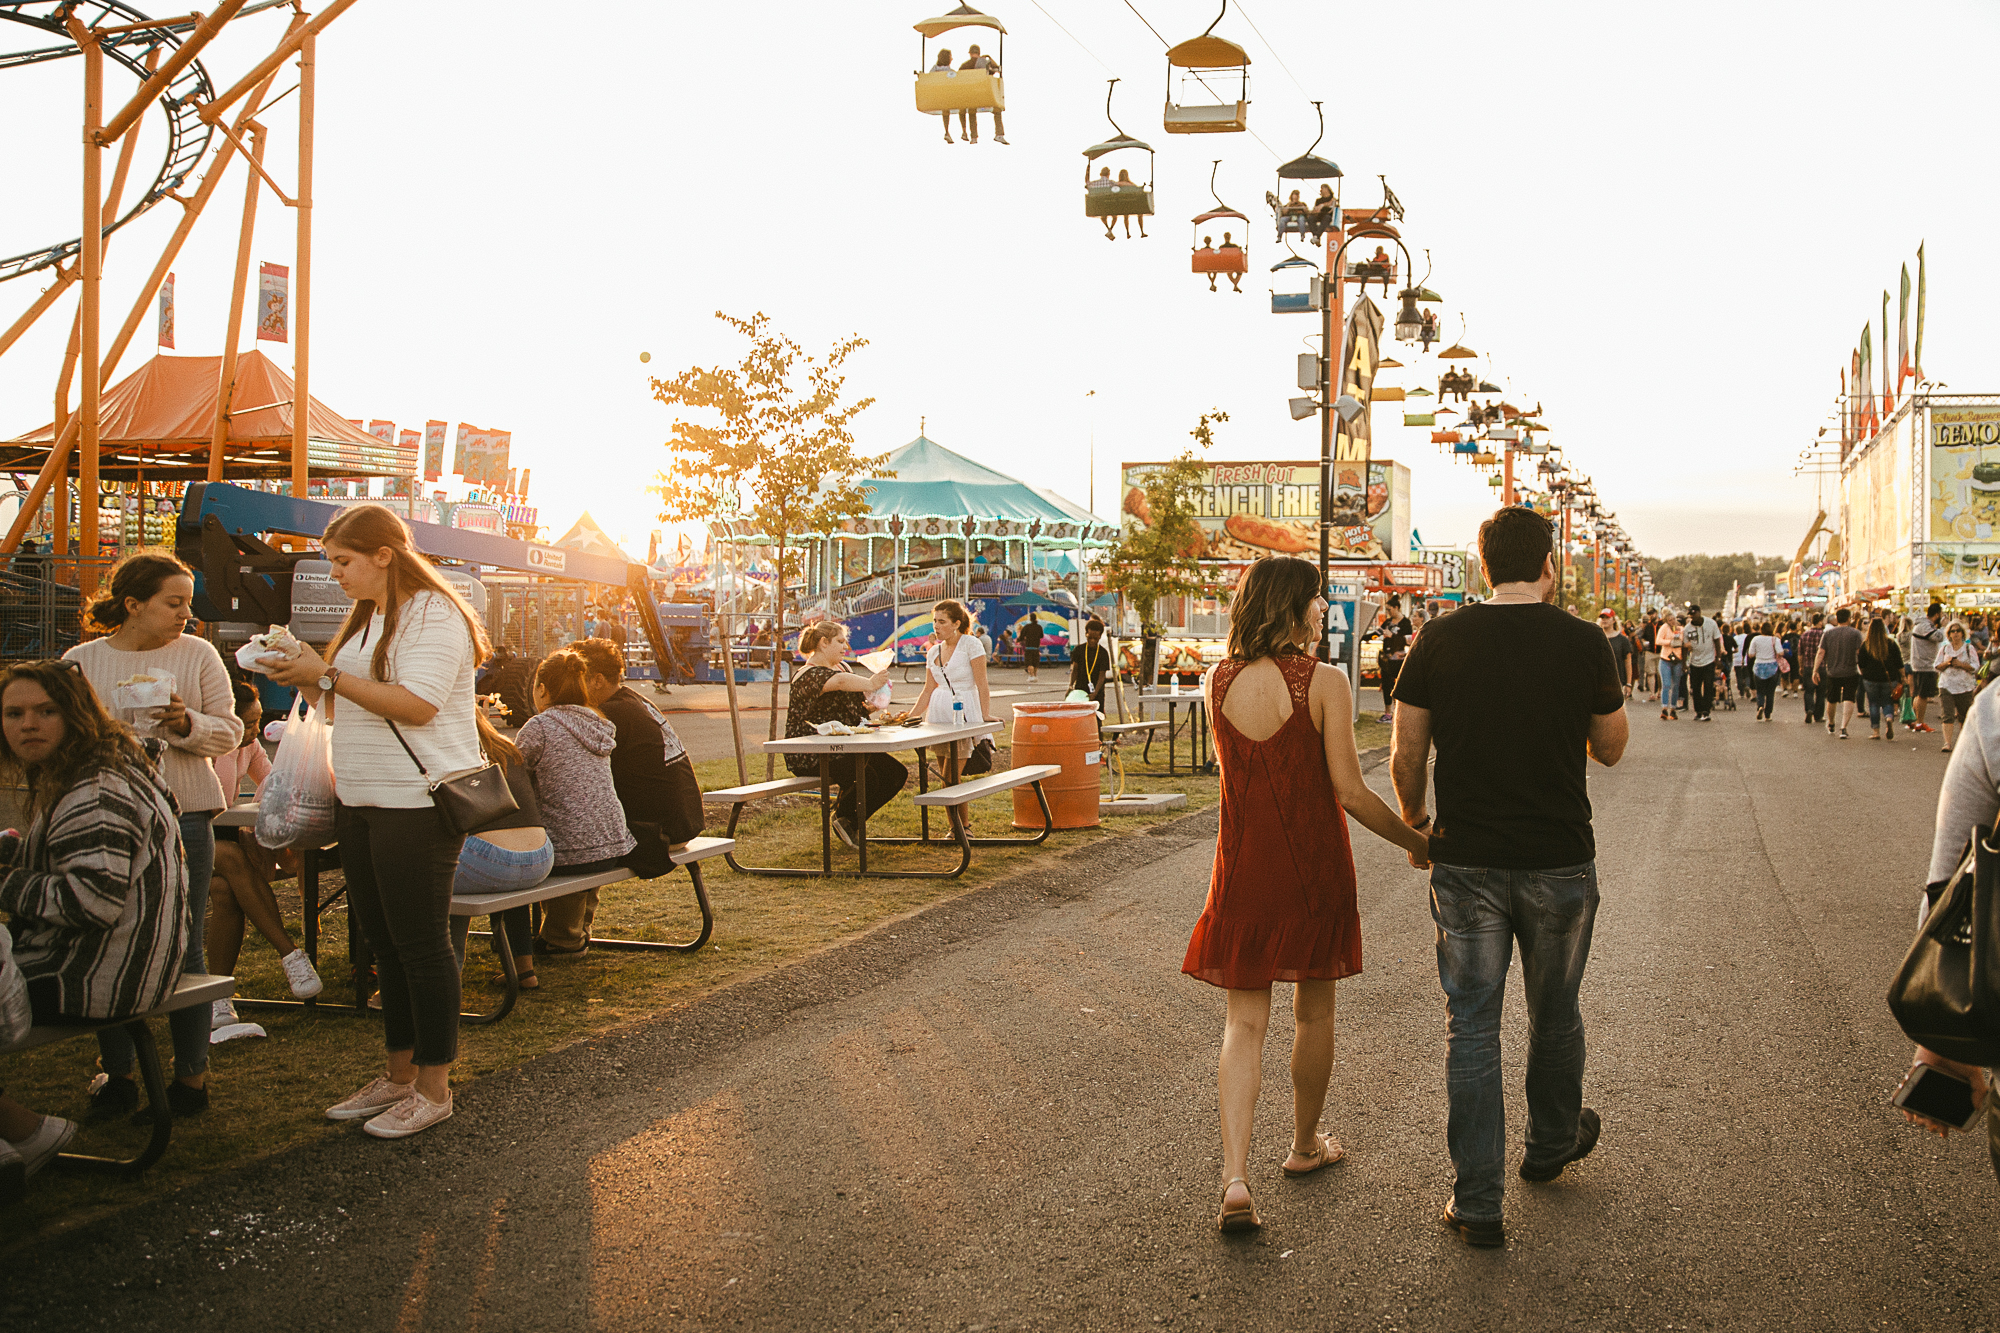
[
  {"x": 295, "y": 807},
  {"x": 14, "y": 1016}
]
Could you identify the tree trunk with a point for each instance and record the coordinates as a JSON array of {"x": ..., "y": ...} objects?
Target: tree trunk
[
  {"x": 777, "y": 651},
  {"x": 1149, "y": 661}
]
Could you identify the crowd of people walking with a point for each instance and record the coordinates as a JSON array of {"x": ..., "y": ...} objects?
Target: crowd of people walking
[{"x": 1888, "y": 668}]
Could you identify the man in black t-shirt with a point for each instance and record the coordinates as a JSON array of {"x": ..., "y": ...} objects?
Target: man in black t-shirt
[
  {"x": 1031, "y": 645},
  {"x": 1395, "y": 631},
  {"x": 1515, "y": 695}
]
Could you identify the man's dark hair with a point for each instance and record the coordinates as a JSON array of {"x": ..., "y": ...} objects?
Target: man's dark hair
[
  {"x": 1933, "y": 609},
  {"x": 1840, "y": 616},
  {"x": 1093, "y": 624},
  {"x": 1819, "y": 617},
  {"x": 1513, "y": 544}
]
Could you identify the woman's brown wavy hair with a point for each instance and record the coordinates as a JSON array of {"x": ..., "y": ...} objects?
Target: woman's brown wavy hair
[
  {"x": 366, "y": 529},
  {"x": 92, "y": 738},
  {"x": 1270, "y": 607}
]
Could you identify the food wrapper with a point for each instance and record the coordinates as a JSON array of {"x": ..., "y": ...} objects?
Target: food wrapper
[
  {"x": 138, "y": 698},
  {"x": 841, "y": 729},
  {"x": 879, "y": 659},
  {"x": 274, "y": 643}
]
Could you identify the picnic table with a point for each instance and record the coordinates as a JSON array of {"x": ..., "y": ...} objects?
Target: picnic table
[
  {"x": 312, "y": 859},
  {"x": 1200, "y": 758},
  {"x": 952, "y": 797}
]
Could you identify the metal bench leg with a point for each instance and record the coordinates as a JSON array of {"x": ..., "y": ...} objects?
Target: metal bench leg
[
  {"x": 1048, "y": 825},
  {"x": 707, "y": 924},
  {"x": 156, "y": 1094},
  {"x": 729, "y": 857},
  {"x": 513, "y": 992}
]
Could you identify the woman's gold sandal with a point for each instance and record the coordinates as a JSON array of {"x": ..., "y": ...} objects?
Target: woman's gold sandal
[
  {"x": 1326, "y": 1151},
  {"x": 1237, "y": 1219}
]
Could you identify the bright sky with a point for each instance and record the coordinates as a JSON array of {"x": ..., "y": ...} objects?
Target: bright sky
[{"x": 1666, "y": 225}]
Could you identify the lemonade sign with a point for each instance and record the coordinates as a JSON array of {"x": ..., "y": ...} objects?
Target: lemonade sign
[{"x": 1965, "y": 496}]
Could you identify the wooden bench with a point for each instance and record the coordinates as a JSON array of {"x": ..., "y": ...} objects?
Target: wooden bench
[
  {"x": 738, "y": 797},
  {"x": 193, "y": 989},
  {"x": 491, "y": 905}
]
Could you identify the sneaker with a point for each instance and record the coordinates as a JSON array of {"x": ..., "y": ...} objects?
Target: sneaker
[
  {"x": 1891, "y": 731},
  {"x": 301, "y": 974},
  {"x": 40, "y": 1148},
  {"x": 412, "y": 1115},
  {"x": 111, "y": 1099},
  {"x": 1386, "y": 717},
  {"x": 844, "y": 831},
  {"x": 1001, "y": 138},
  {"x": 1588, "y": 1127},
  {"x": 374, "y": 1099},
  {"x": 13, "y": 1175},
  {"x": 1482, "y": 1233},
  {"x": 221, "y": 1014},
  {"x": 1843, "y": 733}
]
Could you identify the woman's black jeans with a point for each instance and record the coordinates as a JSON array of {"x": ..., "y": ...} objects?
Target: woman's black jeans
[{"x": 399, "y": 866}]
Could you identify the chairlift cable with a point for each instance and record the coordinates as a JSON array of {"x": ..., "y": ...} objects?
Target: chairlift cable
[
  {"x": 1273, "y": 50},
  {"x": 1074, "y": 38}
]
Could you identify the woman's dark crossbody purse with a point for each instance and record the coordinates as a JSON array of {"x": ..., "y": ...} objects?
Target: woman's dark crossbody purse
[
  {"x": 980, "y": 759},
  {"x": 470, "y": 801}
]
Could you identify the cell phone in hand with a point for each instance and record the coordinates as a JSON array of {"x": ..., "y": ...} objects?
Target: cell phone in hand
[{"x": 1937, "y": 1095}]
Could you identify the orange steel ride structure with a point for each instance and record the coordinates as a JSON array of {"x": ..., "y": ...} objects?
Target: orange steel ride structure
[{"x": 193, "y": 109}]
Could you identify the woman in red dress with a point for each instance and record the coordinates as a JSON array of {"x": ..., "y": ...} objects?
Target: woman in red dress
[{"x": 1281, "y": 900}]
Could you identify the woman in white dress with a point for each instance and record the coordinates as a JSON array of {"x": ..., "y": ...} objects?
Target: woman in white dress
[{"x": 955, "y": 671}]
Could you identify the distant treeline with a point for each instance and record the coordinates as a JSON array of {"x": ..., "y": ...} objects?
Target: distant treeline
[{"x": 1706, "y": 579}]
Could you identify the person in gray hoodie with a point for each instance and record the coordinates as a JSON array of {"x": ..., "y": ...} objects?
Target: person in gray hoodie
[{"x": 568, "y": 747}]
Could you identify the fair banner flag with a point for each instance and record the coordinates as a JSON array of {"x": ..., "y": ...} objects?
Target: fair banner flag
[
  {"x": 384, "y": 431},
  {"x": 433, "y": 450},
  {"x": 522, "y": 494},
  {"x": 1903, "y": 331},
  {"x": 409, "y": 448},
  {"x": 478, "y": 449},
  {"x": 499, "y": 444},
  {"x": 167, "y": 313},
  {"x": 460, "y": 447},
  {"x": 512, "y": 477},
  {"x": 274, "y": 303}
]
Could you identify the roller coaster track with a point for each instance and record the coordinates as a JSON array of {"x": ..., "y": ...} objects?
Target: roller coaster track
[{"x": 188, "y": 135}]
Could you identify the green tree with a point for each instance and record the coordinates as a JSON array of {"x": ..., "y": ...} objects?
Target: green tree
[
  {"x": 1706, "y": 579},
  {"x": 775, "y": 425},
  {"x": 1162, "y": 557}
]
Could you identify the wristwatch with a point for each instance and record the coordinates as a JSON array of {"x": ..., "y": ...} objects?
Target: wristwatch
[{"x": 329, "y": 680}]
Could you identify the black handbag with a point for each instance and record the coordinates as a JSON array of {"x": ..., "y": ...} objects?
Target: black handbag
[
  {"x": 1946, "y": 995},
  {"x": 470, "y": 801}
]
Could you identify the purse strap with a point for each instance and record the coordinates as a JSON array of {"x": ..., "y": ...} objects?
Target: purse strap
[{"x": 412, "y": 753}]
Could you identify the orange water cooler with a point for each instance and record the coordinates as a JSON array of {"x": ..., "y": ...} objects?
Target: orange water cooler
[{"x": 1066, "y": 734}]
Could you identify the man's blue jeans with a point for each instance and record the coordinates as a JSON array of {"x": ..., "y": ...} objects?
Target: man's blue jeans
[{"x": 1479, "y": 913}]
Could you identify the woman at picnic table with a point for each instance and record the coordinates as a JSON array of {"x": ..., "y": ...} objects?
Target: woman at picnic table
[
  {"x": 1281, "y": 902},
  {"x": 512, "y": 853},
  {"x": 240, "y": 894},
  {"x": 145, "y": 613},
  {"x": 824, "y": 692},
  {"x": 398, "y": 691},
  {"x": 568, "y": 745},
  {"x": 955, "y": 673},
  {"x": 650, "y": 766},
  {"x": 96, "y": 892}
]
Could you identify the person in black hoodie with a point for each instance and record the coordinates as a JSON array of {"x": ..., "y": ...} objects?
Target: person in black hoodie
[{"x": 654, "y": 776}]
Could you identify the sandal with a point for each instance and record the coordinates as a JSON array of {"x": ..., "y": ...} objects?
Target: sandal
[
  {"x": 1326, "y": 1151},
  {"x": 500, "y": 982},
  {"x": 1237, "y": 1219}
]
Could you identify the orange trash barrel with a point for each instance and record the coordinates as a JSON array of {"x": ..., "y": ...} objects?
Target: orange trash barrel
[{"x": 1058, "y": 733}]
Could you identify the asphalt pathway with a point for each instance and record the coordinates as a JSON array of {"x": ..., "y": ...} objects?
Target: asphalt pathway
[{"x": 1000, "y": 1114}]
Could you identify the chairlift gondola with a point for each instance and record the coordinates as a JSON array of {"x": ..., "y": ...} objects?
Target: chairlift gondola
[
  {"x": 1298, "y": 303},
  {"x": 1229, "y": 258},
  {"x": 1295, "y": 215},
  {"x": 1109, "y": 199},
  {"x": 967, "y": 89},
  {"x": 1221, "y": 58}
]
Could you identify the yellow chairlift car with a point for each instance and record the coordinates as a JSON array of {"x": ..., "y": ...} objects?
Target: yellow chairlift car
[
  {"x": 1203, "y": 59},
  {"x": 943, "y": 88},
  {"x": 1108, "y": 199}
]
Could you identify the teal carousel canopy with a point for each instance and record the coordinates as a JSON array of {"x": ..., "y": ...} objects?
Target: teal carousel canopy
[{"x": 936, "y": 493}]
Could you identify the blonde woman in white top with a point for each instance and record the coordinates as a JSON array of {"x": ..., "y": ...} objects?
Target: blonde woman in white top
[
  {"x": 405, "y": 655},
  {"x": 955, "y": 672},
  {"x": 146, "y": 610}
]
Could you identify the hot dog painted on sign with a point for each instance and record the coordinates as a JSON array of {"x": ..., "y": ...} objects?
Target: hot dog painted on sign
[{"x": 1249, "y": 510}]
